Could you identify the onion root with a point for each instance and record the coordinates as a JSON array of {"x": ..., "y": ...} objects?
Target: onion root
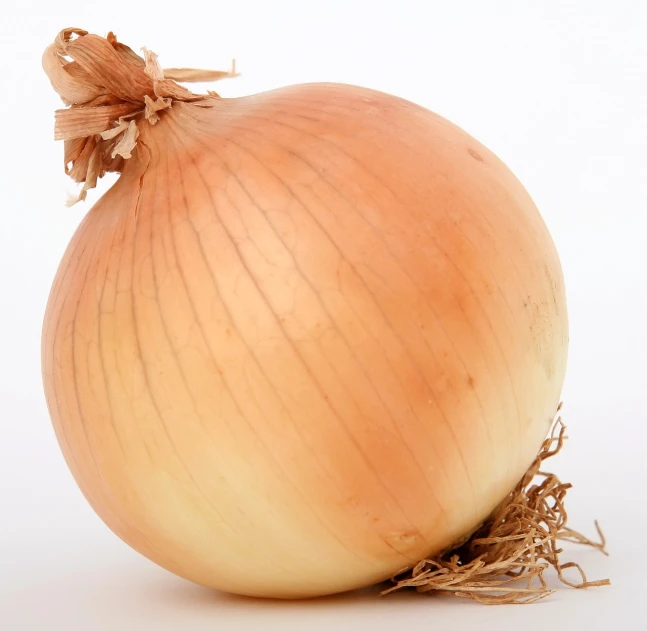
[{"x": 504, "y": 560}]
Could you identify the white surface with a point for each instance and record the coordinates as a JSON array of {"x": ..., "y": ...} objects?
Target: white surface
[{"x": 557, "y": 89}]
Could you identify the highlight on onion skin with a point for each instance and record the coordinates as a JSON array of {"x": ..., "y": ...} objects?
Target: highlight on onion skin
[{"x": 308, "y": 338}]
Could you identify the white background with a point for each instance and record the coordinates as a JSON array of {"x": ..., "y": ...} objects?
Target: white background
[{"x": 557, "y": 88}]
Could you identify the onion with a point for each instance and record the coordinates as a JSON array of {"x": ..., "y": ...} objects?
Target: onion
[{"x": 308, "y": 338}]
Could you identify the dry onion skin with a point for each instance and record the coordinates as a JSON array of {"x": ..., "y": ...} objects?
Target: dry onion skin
[{"x": 308, "y": 338}]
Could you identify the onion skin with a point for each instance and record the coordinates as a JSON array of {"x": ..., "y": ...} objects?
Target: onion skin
[{"x": 308, "y": 338}]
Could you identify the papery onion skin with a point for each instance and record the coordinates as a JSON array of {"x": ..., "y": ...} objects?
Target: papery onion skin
[{"x": 308, "y": 338}]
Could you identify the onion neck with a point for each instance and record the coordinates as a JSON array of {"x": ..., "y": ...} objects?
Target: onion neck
[{"x": 112, "y": 95}]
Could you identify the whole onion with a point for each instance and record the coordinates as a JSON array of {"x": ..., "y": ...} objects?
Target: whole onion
[{"x": 309, "y": 336}]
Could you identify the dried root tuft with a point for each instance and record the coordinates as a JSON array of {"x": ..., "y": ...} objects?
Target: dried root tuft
[{"x": 504, "y": 561}]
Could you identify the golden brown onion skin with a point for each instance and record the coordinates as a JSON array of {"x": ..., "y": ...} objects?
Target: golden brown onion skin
[{"x": 308, "y": 338}]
